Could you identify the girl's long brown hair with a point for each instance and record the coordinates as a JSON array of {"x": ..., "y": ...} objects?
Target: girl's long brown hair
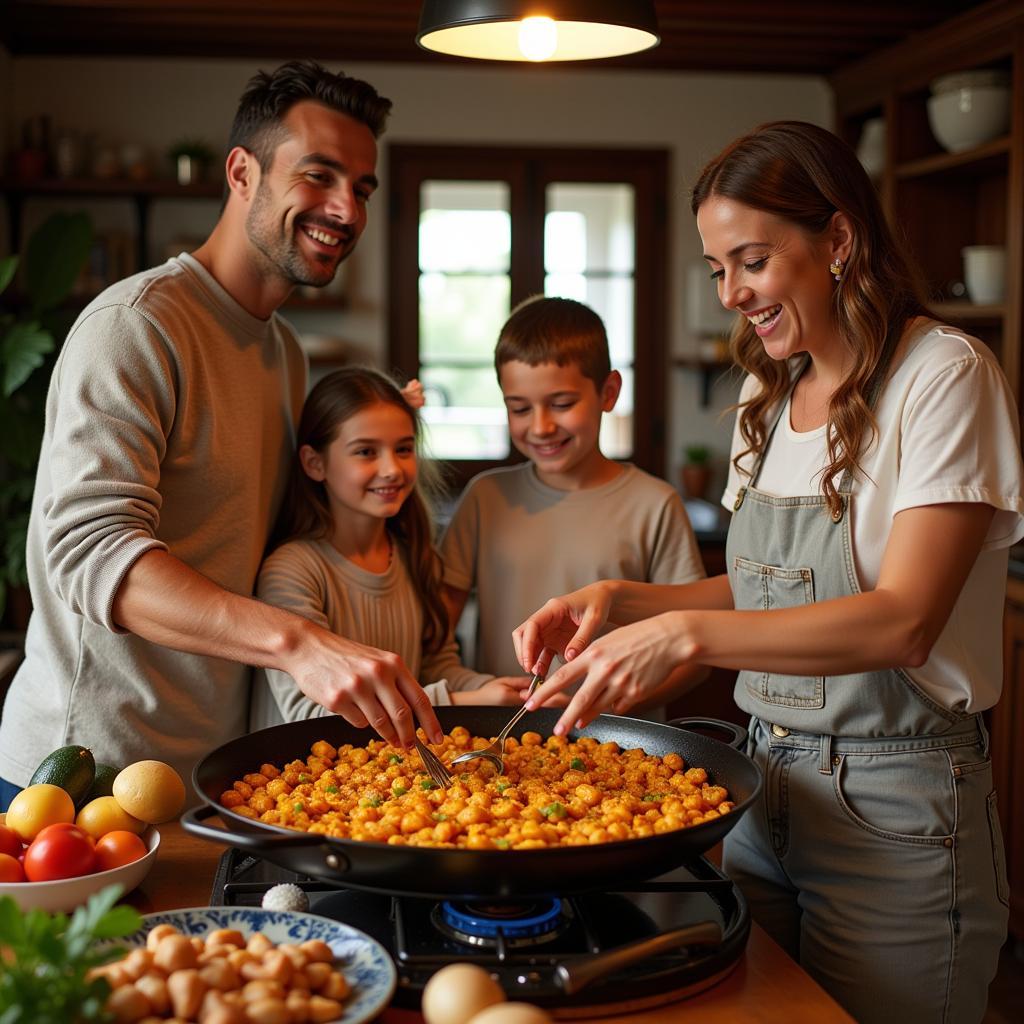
[
  {"x": 805, "y": 174},
  {"x": 306, "y": 513}
]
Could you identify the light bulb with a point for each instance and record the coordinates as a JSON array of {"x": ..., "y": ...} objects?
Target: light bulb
[{"x": 538, "y": 38}]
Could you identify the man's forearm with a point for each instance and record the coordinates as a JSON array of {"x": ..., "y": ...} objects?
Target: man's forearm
[{"x": 163, "y": 600}]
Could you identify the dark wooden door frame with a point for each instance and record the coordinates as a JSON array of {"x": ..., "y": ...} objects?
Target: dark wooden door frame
[{"x": 528, "y": 170}]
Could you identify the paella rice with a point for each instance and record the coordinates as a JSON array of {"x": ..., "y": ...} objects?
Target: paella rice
[{"x": 555, "y": 792}]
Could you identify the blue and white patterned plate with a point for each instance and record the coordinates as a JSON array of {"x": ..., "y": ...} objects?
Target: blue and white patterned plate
[{"x": 364, "y": 961}]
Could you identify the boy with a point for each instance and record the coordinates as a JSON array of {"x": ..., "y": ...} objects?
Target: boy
[{"x": 570, "y": 515}]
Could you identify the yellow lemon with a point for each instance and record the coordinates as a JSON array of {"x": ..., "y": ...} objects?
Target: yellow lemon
[
  {"x": 37, "y": 806},
  {"x": 150, "y": 790},
  {"x": 105, "y": 814}
]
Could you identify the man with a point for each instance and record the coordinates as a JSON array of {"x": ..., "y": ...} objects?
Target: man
[{"x": 170, "y": 421}]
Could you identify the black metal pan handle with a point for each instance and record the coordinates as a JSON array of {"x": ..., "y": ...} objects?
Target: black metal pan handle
[
  {"x": 572, "y": 977},
  {"x": 737, "y": 732},
  {"x": 263, "y": 844}
]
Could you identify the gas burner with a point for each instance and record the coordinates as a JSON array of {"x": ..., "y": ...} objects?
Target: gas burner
[
  {"x": 564, "y": 938},
  {"x": 487, "y": 925}
]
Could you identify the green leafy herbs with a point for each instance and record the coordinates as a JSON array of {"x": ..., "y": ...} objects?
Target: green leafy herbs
[
  {"x": 394, "y": 759},
  {"x": 577, "y": 764},
  {"x": 654, "y": 797},
  {"x": 502, "y": 786},
  {"x": 428, "y": 784},
  {"x": 399, "y": 790},
  {"x": 333, "y": 789},
  {"x": 554, "y": 810},
  {"x": 43, "y": 977}
]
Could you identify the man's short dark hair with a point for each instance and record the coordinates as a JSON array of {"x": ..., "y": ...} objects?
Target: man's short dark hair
[{"x": 270, "y": 95}]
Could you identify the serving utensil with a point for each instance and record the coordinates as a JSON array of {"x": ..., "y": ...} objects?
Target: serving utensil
[
  {"x": 434, "y": 765},
  {"x": 495, "y": 751}
]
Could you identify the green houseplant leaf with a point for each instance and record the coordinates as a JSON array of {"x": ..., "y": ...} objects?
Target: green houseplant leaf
[
  {"x": 29, "y": 334},
  {"x": 24, "y": 346},
  {"x": 8, "y": 268},
  {"x": 56, "y": 253}
]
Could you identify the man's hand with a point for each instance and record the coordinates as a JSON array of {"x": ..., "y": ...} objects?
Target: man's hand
[{"x": 366, "y": 686}]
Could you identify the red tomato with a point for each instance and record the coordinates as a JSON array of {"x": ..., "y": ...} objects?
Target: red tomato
[
  {"x": 10, "y": 869},
  {"x": 10, "y": 842},
  {"x": 61, "y": 853},
  {"x": 66, "y": 826},
  {"x": 118, "y": 848}
]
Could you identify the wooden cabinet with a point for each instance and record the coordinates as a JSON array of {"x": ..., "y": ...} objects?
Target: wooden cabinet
[
  {"x": 940, "y": 201},
  {"x": 1007, "y": 725}
]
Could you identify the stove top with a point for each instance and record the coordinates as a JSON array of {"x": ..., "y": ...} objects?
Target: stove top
[{"x": 573, "y": 955}]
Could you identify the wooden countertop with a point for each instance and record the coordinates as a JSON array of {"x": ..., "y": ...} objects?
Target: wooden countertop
[{"x": 765, "y": 987}]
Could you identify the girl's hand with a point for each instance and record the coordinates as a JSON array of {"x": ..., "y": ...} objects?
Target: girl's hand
[
  {"x": 618, "y": 670},
  {"x": 413, "y": 394},
  {"x": 563, "y": 626},
  {"x": 503, "y": 690}
]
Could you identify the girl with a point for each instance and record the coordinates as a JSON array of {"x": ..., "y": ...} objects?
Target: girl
[{"x": 354, "y": 551}]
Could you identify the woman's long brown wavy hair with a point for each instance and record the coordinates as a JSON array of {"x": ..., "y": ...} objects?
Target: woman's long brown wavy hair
[
  {"x": 805, "y": 174},
  {"x": 305, "y": 512}
]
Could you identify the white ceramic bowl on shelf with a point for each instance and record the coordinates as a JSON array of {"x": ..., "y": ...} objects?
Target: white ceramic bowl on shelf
[
  {"x": 969, "y": 116},
  {"x": 65, "y": 894}
]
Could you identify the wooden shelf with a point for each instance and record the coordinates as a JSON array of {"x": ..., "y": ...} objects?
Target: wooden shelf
[
  {"x": 969, "y": 312},
  {"x": 111, "y": 188},
  {"x": 980, "y": 161},
  {"x": 711, "y": 372}
]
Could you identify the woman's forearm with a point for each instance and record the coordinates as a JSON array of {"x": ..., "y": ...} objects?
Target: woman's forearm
[
  {"x": 849, "y": 634},
  {"x": 632, "y": 602}
]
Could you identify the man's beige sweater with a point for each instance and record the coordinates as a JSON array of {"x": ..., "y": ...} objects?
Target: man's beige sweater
[{"x": 169, "y": 425}]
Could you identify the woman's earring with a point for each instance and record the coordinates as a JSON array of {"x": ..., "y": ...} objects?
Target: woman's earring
[{"x": 836, "y": 269}]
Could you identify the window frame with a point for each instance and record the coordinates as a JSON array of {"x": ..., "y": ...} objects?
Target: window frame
[{"x": 528, "y": 170}]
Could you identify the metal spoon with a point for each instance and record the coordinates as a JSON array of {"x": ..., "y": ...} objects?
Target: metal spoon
[{"x": 496, "y": 750}]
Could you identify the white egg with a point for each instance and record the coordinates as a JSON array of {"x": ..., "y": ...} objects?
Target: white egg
[
  {"x": 458, "y": 992},
  {"x": 512, "y": 1013}
]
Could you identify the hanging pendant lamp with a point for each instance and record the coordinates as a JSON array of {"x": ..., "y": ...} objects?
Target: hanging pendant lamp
[{"x": 537, "y": 30}]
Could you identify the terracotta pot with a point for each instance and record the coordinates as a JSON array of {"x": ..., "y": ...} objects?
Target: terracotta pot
[{"x": 695, "y": 480}]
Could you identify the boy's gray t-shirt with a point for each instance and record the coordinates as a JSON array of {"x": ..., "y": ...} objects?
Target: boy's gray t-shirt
[{"x": 518, "y": 542}]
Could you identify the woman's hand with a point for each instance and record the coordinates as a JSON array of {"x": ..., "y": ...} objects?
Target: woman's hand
[
  {"x": 564, "y": 626},
  {"x": 619, "y": 670}
]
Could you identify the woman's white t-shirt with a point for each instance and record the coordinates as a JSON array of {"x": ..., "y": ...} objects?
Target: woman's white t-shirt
[{"x": 947, "y": 432}]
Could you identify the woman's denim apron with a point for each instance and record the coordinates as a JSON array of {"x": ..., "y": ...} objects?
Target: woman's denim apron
[{"x": 875, "y": 856}]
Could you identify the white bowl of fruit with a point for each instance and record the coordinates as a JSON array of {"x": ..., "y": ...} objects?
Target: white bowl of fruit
[{"x": 60, "y": 843}]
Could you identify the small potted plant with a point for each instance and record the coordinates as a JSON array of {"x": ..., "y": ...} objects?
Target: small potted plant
[
  {"x": 696, "y": 471},
  {"x": 192, "y": 159}
]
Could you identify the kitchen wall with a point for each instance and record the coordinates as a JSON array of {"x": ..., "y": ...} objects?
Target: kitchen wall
[{"x": 154, "y": 102}]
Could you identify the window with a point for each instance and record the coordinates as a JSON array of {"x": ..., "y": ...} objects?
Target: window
[{"x": 475, "y": 231}]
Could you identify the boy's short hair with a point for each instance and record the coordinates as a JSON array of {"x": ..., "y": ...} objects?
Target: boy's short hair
[
  {"x": 258, "y": 125},
  {"x": 555, "y": 330}
]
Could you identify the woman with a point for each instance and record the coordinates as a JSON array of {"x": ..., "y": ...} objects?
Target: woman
[{"x": 876, "y": 487}]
